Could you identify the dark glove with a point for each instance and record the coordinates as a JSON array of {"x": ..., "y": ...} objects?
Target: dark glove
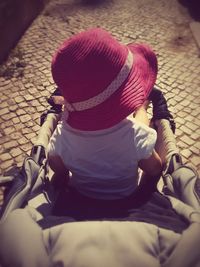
[
  {"x": 160, "y": 107},
  {"x": 55, "y": 107}
]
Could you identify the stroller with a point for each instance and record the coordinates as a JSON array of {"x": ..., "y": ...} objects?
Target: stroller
[{"x": 164, "y": 231}]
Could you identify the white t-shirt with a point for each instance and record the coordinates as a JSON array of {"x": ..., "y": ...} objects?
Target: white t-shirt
[{"x": 103, "y": 163}]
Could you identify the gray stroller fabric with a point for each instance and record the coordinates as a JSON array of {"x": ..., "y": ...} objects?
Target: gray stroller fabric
[
  {"x": 95, "y": 244},
  {"x": 166, "y": 143},
  {"x": 181, "y": 181},
  {"x": 71, "y": 206},
  {"x": 21, "y": 187},
  {"x": 47, "y": 129},
  {"x": 22, "y": 242}
]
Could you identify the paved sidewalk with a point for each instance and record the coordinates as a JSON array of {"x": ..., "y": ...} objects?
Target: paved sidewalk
[{"x": 25, "y": 79}]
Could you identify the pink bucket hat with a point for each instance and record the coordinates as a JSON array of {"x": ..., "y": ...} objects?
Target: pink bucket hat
[{"x": 102, "y": 80}]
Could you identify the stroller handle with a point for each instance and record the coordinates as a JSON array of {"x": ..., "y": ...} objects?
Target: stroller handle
[{"x": 47, "y": 129}]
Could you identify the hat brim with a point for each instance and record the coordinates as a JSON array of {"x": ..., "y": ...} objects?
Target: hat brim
[{"x": 131, "y": 94}]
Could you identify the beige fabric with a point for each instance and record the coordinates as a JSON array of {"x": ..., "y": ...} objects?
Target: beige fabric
[
  {"x": 21, "y": 242},
  {"x": 191, "y": 214},
  {"x": 119, "y": 244},
  {"x": 47, "y": 129},
  {"x": 95, "y": 244},
  {"x": 124, "y": 244},
  {"x": 166, "y": 143},
  {"x": 187, "y": 251}
]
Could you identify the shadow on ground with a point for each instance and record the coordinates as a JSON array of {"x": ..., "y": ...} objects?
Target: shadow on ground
[
  {"x": 63, "y": 10},
  {"x": 94, "y": 2},
  {"x": 193, "y": 7}
]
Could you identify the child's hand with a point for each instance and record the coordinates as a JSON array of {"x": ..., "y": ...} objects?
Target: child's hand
[
  {"x": 58, "y": 100},
  {"x": 144, "y": 106}
]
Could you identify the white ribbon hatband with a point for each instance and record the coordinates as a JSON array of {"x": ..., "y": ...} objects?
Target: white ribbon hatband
[{"x": 112, "y": 88}]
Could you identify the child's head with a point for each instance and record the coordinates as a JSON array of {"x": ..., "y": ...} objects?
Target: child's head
[{"x": 102, "y": 80}]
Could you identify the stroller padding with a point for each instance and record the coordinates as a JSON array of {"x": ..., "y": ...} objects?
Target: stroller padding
[{"x": 95, "y": 244}]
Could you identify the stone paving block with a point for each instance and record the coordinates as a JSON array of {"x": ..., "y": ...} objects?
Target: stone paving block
[
  {"x": 23, "y": 105},
  {"x": 182, "y": 145},
  {"x": 8, "y": 116},
  {"x": 196, "y": 121},
  {"x": 5, "y": 157},
  {"x": 36, "y": 128},
  {"x": 19, "y": 99},
  {"x": 192, "y": 126},
  {"x": 6, "y": 124},
  {"x": 20, "y": 159},
  {"x": 45, "y": 93},
  {"x": 3, "y": 104},
  {"x": 15, "y": 120},
  {"x": 182, "y": 114},
  {"x": 7, "y": 165},
  {"x": 23, "y": 140},
  {"x": 36, "y": 116},
  {"x": 13, "y": 108},
  {"x": 18, "y": 127},
  {"x": 186, "y": 130},
  {"x": 20, "y": 112},
  {"x": 196, "y": 93},
  {"x": 40, "y": 109},
  {"x": 15, "y": 135},
  {"x": 4, "y": 111},
  {"x": 197, "y": 144},
  {"x": 189, "y": 118},
  {"x": 187, "y": 140},
  {"x": 9, "y": 130},
  {"x": 186, "y": 153},
  {"x": 195, "y": 160},
  {"x": 33, "y": 90},
  {"x": 178, "y": 132},
  {"x": 4, "y": 98},
  {"x": 25, "y": 118},
  {"x": 29, "y": 124},
  {"x": 10, "y": 144},
  {"x": 29, "y": 97},
  {"x": 195, "y": 106},
  {"x": 14, "y": 152},
  {"x": 195, "y": 150},
  {"x": 26, "y": 131},
  {"x": 195, "y": 136},
  {"x": 34, "y": 103},
  {"x": 1, "y": 150},
  {"x": 180, "y": 120},
  {"x": 195, "y": 113},
  {"x": 30, "y": 136},
  {"x": 26, "y": 147},
  {"x": 28, "y": 85}
]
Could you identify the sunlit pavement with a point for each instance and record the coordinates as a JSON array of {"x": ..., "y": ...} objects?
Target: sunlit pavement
[{"x": 26, "y": 77}]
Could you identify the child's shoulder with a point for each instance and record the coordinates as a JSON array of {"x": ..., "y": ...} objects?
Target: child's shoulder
[{"x": 140, "y": 128}]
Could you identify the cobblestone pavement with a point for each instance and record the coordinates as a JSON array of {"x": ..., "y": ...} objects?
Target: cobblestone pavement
[{"x": 25, "y": 78}]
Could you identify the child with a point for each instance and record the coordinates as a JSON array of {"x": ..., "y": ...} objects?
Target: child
[{"x": 103, "y": 82}]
